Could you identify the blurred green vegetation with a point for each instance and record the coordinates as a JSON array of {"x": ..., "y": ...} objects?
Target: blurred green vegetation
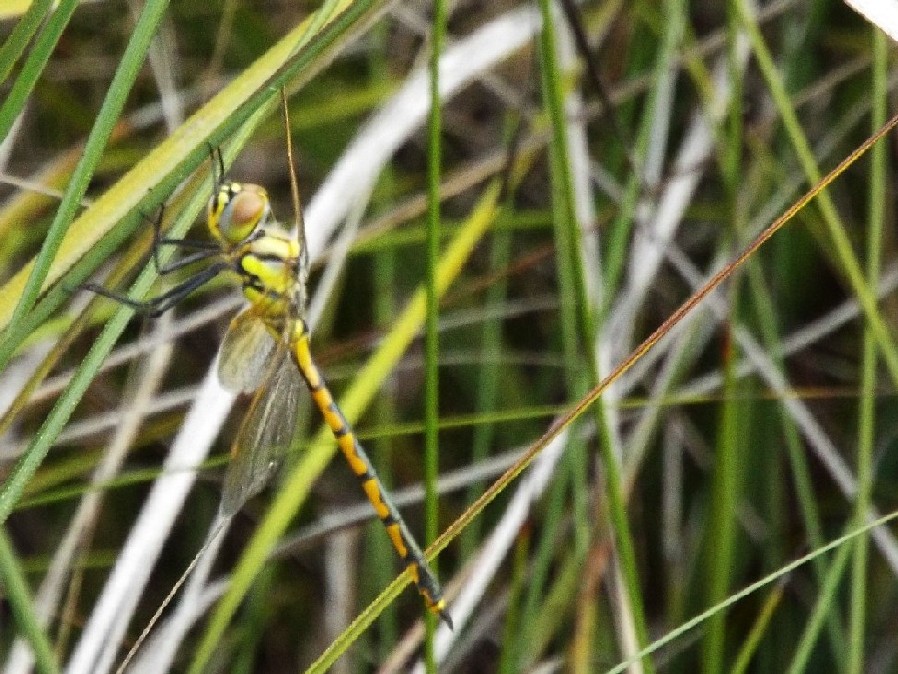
[{"x": 600, "y": 171}]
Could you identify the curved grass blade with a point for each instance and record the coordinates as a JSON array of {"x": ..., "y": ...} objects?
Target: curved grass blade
[
  {"x": 222, "y": 115},
  {"x": 17, "y": 593},
  {"x": 17, "y": 41},
  {"x": 298, "y": 54},
  {"x": 124, "y": 78}
]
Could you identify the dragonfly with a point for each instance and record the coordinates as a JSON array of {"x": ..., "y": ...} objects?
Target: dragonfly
[{"x": 267, "y": 351}]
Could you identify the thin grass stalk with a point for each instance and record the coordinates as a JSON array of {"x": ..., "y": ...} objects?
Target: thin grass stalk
[
  {"x": 585, "y": 647},
  {"x": 646, "y": 173},
  {"x": 35, "y": 63},
  {"x": 537, "y": 624},
  {"x": 380, "y": 554},
  {"x": 553, "y": 619},
  {"x": 727, "y": 486},
  {"x": 255, "y": 617},
  {"x": 725, "y": 495},
  {"x": 828, "y": 596},
  {"x": 109, "y": 113},
  {"x": 784, "y": 571},
  {"x": 431, "y": 306},
  {"x": 585, "y": 254},
  {"x": 575, "y": 339},
  {"x": 509, "y": 655},
  {"x": 758, "y": 631},
  {"x": 548, "y": 552},
  {"x": 867, "y": 412},
  {"x": 573, "y": 289},
  {"x": 835, "y": 228},
  {"x": 21, "y": 35},
  {"x": 796, "y": 454},
  {"x": 488, "y": 377},
  {"x": 21, "y": 603},
  {"x": 767, "y": 478}
]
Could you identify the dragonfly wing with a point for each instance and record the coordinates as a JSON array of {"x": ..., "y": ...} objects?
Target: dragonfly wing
[
  {"x": 245, "y": 353},
  {"x": 265, "y": 434}
]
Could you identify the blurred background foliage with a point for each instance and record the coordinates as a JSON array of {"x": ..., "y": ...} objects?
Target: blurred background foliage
[{"x": 639, "y": 148}]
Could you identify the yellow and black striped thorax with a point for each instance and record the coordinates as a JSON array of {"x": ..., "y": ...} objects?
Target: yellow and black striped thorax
[{"x": 268, "y": 266}]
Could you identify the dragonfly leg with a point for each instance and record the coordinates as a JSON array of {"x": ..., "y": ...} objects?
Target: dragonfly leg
[
  {"x": 205, "y": 249},
  {"x": 155, "y": 306}
]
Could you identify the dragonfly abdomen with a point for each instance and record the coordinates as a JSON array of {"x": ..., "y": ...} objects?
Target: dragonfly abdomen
[{"x": 360, "y": 464}]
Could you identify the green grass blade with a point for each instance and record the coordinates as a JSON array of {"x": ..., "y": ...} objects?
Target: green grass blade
[
  {"x": 15, "y": 44},
  {"x": 868, "y": 401},
  {"x": 827, "y": 598},
  {"x": 758, "y": 631},
  {"x": 751, "y": 589},
  {"x": 16, "y": 592},
  {"x": 834, "y": 226},
  {"x": 35, "y": 63},
  {"x": 125, "y": 74},
  {"x": 723, "y": 527},
  {"x": 578, "y": 310},
  {"x": 298, "y": 52},
  {"x": 53, "y": 424},
  {"x": 431, "y": 309}
]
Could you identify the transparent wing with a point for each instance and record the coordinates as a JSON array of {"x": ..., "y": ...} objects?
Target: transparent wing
[
  {"x": 265, "y": 434},
  {"x": 245, "y": 353}
]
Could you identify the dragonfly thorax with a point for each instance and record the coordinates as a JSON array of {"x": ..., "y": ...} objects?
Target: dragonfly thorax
[{"x": 268, "y": 265}]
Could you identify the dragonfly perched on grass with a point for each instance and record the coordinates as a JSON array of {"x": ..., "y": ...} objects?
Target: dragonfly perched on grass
[{"x": 267, "y": 350}]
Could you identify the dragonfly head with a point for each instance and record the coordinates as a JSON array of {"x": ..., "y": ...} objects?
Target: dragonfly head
[{"x": 236, "y": 210}]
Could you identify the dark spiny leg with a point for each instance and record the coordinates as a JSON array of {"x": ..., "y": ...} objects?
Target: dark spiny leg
[
  {"x": 187, "y": 260},
  {"x": 158, "y": 305},
  {"x": 205, "y": 249}
]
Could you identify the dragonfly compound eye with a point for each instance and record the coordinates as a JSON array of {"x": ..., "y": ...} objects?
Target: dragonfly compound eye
[{"x": 237, "y": 210}]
